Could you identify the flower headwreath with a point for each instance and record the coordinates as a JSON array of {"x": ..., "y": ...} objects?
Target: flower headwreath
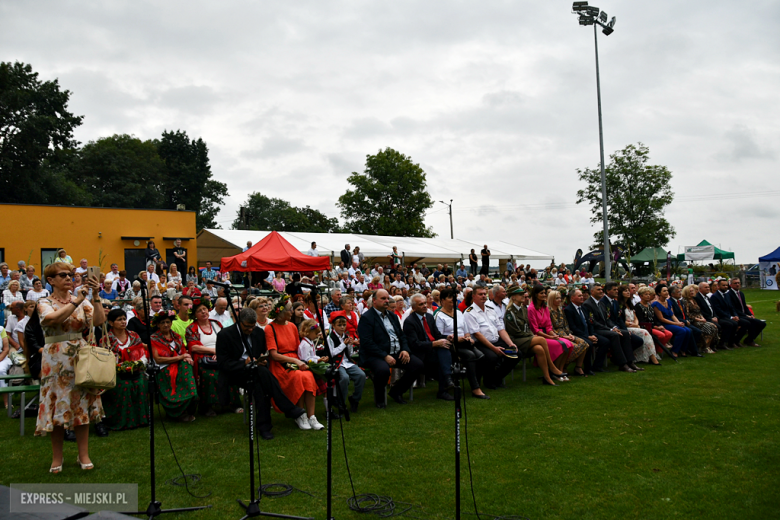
[{"x": 279, "y": 306}]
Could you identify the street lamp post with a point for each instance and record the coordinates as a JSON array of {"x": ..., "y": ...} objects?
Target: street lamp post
[
  {"x": 590, "y": 15},
  {"x": 452, "y": 233}
]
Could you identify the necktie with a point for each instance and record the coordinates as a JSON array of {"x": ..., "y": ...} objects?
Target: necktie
[
  {"x": 739, "y": 297},
  {"x": 680, "y": 305},
  {"x": 427, "y": 329},
  {"x": 582, "y": 317}
]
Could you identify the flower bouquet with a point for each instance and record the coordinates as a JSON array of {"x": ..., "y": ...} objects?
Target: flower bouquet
[{"x": 129, "y": 369}]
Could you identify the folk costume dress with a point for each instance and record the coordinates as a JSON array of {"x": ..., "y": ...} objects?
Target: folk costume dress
[
  {"x": 207, "y": 374},
  {"x": 352, "y": 322},
  {"x": 62, "y": 402},
  {"x": 127, "y": 404},
  {"x": 285, "y": 340},
  {"x": 178, "y": 395}
]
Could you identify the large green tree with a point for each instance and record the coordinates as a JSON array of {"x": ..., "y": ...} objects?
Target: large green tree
[
  {"x": 266, "y": 213},
  {"x": 388, "y": 198},
  {"x": 36, "y": 138},
  {"x": 187, "y": 177},
  {"x": 121, "y": 171},
  {"x": 637, "y": 194}
]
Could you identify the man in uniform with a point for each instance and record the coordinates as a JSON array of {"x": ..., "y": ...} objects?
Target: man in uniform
[{"x": 492, "y": 340}]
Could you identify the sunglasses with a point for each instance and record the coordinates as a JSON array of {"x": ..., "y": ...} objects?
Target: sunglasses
[{"x": 65, "y": 275}]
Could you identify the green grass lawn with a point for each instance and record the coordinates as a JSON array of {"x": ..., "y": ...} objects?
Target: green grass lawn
[{"x": 694, "y": 439}]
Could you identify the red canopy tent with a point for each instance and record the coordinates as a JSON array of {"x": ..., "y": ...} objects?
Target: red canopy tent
[{"x": 274, "y": 253}]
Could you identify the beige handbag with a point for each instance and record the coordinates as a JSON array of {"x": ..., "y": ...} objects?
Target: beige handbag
[{"x": 95, "y": 365}]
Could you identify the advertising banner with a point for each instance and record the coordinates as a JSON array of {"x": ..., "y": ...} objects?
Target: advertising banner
[{"x": 770, "y": 275}]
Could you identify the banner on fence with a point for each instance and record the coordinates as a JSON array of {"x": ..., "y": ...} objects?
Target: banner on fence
[{"x": 770, "y": 275}]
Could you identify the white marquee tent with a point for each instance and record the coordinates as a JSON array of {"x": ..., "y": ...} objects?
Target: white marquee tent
[{"x": 213, "y": 244}]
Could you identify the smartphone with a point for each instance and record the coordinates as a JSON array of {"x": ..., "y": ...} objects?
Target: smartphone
[{"x": 93, "y": 271}]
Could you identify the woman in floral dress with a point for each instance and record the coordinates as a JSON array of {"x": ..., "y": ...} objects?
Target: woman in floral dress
[
  {"x": 64, "y": 318},
  {"x": 645, "y": 353},
  {"x": 127, "y": 404},
  {"x": 201, "y": 339},
  {"x": 176, "y": 380}
]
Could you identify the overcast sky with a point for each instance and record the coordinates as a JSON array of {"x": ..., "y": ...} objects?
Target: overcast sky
[{"x": 495, "y": 100}]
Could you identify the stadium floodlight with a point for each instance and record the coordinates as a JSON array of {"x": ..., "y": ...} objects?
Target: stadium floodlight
[{"x": 591, "y": 15}]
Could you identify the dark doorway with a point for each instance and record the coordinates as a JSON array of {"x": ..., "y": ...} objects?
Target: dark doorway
[{"x": 135, "y": 262}]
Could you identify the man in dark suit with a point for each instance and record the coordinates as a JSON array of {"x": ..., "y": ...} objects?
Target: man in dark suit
[
  {"x": 725, "y": 312},
  {"x": 427, "y": 343},
  {"x": 383, "y": 345},
  {"x": 753, "y": 326},
  {"x": 678, "y": 309},
  {"x": 237, "y": 346},
  {"x": 607, "y": 333},
  {"x": 726, "y": 329},
  {"x": 582, "y": 328},
  {"x": 346, "y": 256}
]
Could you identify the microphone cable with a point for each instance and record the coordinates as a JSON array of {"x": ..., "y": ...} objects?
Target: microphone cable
[{"x": 176, "y": 481}]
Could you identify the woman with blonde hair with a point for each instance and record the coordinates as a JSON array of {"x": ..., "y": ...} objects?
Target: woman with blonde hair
[
  {"x": 64, "y": 257},
  {"x": 561, "y": 327},
  {"x": 709, "y": 331},
  {"x": 261, "y": 306},
  {"x": 375, "y": 284},
  {"x": 65, "y": 318},
  {"x": 12, "y": 294}
]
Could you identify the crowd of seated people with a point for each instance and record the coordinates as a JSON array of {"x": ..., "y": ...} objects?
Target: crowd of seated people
[{"x": 394, "y": 324}]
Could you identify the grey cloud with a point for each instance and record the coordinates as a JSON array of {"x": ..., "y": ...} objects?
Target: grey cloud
[
  {"x": 276, "y": 146},
  {"x": 742, "y": 144}
]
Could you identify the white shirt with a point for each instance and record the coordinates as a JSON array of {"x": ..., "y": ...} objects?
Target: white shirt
[
  {"x": 19, "y": 329},
  {"x": 10, "y": 326},
  {"x": 153, "y": 276},
  {"x": 636, "y": 299},
  {"x": 444, "y": 323},
  {"x": 500, "y": 310},
  {"x": 111, "y": 276},
  {"x": 346, "y": 360},
  {"x": 560, "y": 281},
  {"x": 483, "y": 321},
  {"x": 313, "y": 252},
  {"x": 80, "y": 270},
  {"x": 400, "y": 284},
  {"x": 306, "y": 351},
  {"x": 223, "y": 318},
  {"x": 33, "y": 296},
  {"x": 359, "y": 286}
]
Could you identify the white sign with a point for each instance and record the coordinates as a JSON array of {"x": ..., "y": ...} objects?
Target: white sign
[
  {"x": 770, "y": 275},
  {"x": 699, "y": 253}
]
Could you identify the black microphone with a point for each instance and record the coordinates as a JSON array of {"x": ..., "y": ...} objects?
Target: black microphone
[{"x": 220, "y": 284}]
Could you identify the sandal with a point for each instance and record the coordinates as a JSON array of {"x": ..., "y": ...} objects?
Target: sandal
[
  {"x": 55, "y": 469},
  {"x": 238, "y": 410},
  {"x": 581, "y": 372},
  {"x": 84, "y": 466}
]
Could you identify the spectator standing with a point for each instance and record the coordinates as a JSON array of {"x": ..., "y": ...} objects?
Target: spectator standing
[
  {"x": 485, "y": 261},
  {"x": 180, "y": 257},
  {"x": 473, "y": 263},
  {"x": 313, "y": 250},
  {"x": 346, "y": 255},
  {"x": 153, "y": 256}
]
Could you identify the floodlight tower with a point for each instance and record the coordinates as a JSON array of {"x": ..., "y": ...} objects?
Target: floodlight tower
[{"x": 590, "y": 15}]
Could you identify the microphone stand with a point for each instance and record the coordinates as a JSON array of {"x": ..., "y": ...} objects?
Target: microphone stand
[
  {"x": 457, "y": 367},
  {"x": 153, "y": 369},
  {"x": 332, "y": 376},
  {"x": 252, "y": 508}
]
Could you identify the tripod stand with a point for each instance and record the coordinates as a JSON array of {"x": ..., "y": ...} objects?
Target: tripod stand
[
  {"x": 153, "y": 369},
  {"x": 252, "y": 508},
  {"x": 334, "y": 399}
]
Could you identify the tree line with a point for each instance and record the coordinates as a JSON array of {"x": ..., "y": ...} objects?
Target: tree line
[{"x": 41, "y": 163}]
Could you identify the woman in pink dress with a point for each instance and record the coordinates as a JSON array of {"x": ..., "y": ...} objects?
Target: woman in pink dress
[{"x": 541, "y": 325}]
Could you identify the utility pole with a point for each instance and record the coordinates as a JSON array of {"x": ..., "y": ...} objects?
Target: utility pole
[{"x": 452, "y": 233}]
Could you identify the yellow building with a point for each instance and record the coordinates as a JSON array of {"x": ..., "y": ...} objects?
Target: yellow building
[{"x": 103, "y": 236}]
